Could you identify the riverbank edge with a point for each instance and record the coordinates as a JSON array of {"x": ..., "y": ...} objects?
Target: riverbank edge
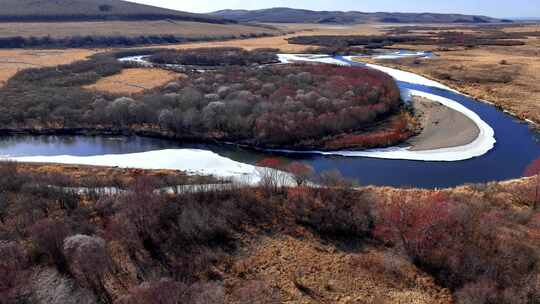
[{"x": 460, "y": 90}]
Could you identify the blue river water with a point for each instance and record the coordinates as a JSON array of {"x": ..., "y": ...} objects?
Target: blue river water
[{"x": 517, "y": 146}]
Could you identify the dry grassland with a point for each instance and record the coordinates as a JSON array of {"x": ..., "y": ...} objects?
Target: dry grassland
[
  {"x": 12, "y": 61},
  {"x": 127, "y": 28},
  {"x": 280, "y": 42},
  {"x": 508, "y": 76},
  {"x": 132, "y": 81},
  {"x": 309, "y": 271}
]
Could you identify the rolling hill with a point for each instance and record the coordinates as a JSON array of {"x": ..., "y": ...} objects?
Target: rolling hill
[
  {"x": 289, "y": 15},
  {"x": 92, "y": 10}
]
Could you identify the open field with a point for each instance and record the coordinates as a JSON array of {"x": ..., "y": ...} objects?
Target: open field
[
  {"x": 280, "y": 42},
  {"x": 505, "y": 75},
  {"x": 127, "y": 28},
  {"x": 90, "y": 176},
  {"x": 12, "y": 61},
  {"x": 131, "y": 81}
]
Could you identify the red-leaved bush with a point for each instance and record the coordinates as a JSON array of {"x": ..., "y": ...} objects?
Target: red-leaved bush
[{"x": 533, "y": 170}]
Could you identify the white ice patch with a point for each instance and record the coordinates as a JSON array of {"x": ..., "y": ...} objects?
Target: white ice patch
[
  {"x": 192, "y": 161},
  {"x": 141, "y": 60},
  {"x": 292, "y": 58}
]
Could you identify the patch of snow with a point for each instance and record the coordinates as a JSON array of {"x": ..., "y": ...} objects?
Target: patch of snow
[
  {"x": 398, "y": 55},
  {"x": 192, "y": 161},
  {"x": 292, "y": 58},
  {"x": 141, "y": 60}
]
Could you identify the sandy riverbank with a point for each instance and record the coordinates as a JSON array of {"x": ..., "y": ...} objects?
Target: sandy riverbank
[{"x": 442, "y": 127}]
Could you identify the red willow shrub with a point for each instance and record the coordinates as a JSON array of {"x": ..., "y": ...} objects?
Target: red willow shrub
[
  {"x": 271, "y": 176},
  {"x": 397, "y": 131},
  {"x": 301, "y": 172},
  {"x": 461, "y": 244},
  {"x": 533, "y": 170}
]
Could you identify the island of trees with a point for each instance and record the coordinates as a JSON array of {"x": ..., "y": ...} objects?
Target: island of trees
[{"x": 237, "y": 99}]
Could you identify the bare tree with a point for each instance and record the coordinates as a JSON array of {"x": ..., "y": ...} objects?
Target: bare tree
[
  {"x": 301, "y": 172},
  {"x": 271, "y": 176},
  {"x": 47, "y": 238}
]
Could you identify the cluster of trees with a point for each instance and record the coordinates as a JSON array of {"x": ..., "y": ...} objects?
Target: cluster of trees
[
  {"x": 111, "y": 41},
  {"x": 53, "y": 96},
  {"x": 373, "y": 41},
  {"x": 274, "y": 106},
  {"x": 433, "y": 38},
  {"x": 295, "y": 106},
  {"x": 142, "y": 246},
  {"x": 216, "y": 57}
]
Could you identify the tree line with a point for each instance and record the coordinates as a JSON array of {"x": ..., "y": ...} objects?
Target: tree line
[
  {"x": 91, "y": 41},
  {"x": 216, "y": 57},
  {"x": 442, "y": 38}
]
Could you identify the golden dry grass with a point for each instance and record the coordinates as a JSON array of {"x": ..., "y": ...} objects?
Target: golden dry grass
[
  {"x": 132, "y": 81},
  {"x": 280, "y": 42},
  {"x": 12, "y": 61},
  {"x": 334, "y": 276},
  {"x": 127, "y": 28},
  {"x": 79, "y": 172},
  {"x": 520, "y": 96}
]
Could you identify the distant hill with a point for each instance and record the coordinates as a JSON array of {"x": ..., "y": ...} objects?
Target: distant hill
[
  {"x": 289, "y": 15},
  {"x": 92, "y": 10}
]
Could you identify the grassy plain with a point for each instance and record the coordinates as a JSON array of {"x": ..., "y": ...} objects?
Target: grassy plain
[
  {"x": 131, "y": 81},
  {"x": 127, "y": 28},
  {"x": 505, "y": 75},
  {"x": 280, "y": 42},
  {"x": 12, "y": 61}
]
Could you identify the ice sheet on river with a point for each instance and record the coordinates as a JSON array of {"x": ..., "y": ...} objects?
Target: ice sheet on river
[{"x": 192, "y": 161}]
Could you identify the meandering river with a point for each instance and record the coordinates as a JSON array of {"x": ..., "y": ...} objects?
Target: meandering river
[{"x": 517, "y": 146}]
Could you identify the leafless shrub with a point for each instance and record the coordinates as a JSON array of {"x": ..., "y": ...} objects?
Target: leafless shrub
[
  {"x": 255, "y": 292},
  {"x": 477, "y": 293},
  {"x": 50, "y": 287},
  {"x": 89, "y": 262},
  {"x": 48, "y": 240}
]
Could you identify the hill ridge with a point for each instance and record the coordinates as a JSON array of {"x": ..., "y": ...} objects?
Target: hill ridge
[
  {"x": 93, "y": 10},
  {"x": 292, "y": 15}
]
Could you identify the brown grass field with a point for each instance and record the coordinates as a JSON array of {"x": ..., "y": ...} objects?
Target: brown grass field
[
  {"x": 127, "y": 28},
  {"x": 280, "y": 42},
  {"x": 132, "y": 81},
  {"x": 505, "y": 75},
  {"x": 12, "y": 61}
]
